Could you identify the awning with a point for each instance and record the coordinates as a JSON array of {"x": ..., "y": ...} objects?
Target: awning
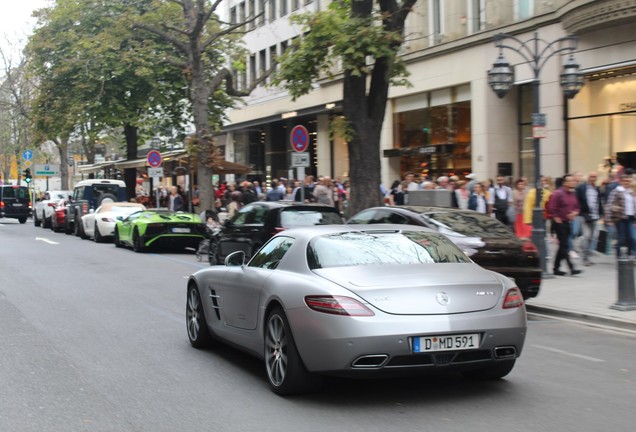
[
  {"x": 227, "y": 167},
  {"x": 142, "y": 162},
  {"x": 91, "y": 168}
]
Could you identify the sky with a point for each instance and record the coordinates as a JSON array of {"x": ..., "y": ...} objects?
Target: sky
[{"x": 16, "y": 22}]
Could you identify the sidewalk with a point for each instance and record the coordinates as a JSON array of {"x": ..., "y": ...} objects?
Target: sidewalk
[{"x": 586, "y": 296}]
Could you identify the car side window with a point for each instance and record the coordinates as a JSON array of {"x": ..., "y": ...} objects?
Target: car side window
[
  {"x": 270, "y": 255},
  {"x": 395, "y": 218},
  {"x": 364, "y": 217},
  {"x": 259, "y": 215},
  {"x": 244, "y": 216}
]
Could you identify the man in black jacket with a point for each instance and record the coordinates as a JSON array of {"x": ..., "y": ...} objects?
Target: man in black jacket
[{"x": 591, "y": 203}]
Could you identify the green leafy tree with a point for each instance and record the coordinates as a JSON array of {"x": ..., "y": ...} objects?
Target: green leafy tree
[
  {"x": 96, "y": 75},
  {"x": 363, "y": 36},
  {"x": 202, "y": 46}
]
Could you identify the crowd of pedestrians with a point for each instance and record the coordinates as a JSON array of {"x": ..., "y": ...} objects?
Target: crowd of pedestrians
[
  {"x": 324, "y": 190},
  {"x": 582, "y": 214}
]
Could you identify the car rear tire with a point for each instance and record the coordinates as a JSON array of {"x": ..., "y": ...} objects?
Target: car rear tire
[
  {"x": 22, "y": 220},
  {"x": 46, "y": 222},
  {"x": 286, "y": 372},
  {"x": 96, "y": 235},
  {"x": 138, "y": 245},
  {"x": 67, "y": 226},
  {"x": 36, "y": 221},
  {"x": 197, "y": 326},
  {"x": 496, "y": 371}
]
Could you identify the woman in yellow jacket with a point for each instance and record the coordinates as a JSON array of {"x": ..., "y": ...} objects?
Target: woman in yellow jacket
[{"x": 528, "y": 205}]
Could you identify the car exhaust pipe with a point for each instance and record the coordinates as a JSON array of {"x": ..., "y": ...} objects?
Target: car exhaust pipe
[
  {"x": 505, "y": 352},
  {"x": 370, "y": 361}
]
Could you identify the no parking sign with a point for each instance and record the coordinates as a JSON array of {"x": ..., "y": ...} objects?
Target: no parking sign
[{"x": 299, "y": 138}]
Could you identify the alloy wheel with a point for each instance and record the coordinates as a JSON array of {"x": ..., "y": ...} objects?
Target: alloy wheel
[{"x": 276, "y": 349}]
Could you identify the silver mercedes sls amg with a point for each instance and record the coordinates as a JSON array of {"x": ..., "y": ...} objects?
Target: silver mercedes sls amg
[{"x": 356, "y": 300}]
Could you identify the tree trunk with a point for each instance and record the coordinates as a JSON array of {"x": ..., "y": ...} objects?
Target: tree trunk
[
  {"x": 62, "y": 148},
  {"x": 130, "y": 174}
]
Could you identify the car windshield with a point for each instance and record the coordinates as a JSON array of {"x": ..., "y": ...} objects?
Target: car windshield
[
  {"x": 382, "y": 247},
  {"x": 470, "y": 224},
  {"x": 306, "y": 217}
]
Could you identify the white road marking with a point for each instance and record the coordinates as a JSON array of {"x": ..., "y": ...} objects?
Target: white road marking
[
  {"x": 570, "y": 354},
  {"x": 45, "y": 240}
]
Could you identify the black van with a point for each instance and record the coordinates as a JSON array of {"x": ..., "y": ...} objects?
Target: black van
[{"x": 15, "y": 202}]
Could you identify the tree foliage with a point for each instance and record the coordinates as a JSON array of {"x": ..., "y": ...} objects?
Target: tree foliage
[{"x": 359, "y": 39}]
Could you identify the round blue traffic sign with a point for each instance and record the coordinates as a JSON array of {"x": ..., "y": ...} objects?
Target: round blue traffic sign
[
  {"x": 154, "y": 158},
  {"x": 299, "y": 138}
]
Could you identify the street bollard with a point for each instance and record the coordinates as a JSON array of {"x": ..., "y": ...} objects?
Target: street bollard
[{"x": 626, "y": 288}]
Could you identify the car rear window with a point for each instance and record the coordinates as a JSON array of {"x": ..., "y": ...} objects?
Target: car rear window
[
  {"x": 382, "y": 247},
  {"x": 305, "y": 217},
  {"x": 471, "y": 224},
  {"x": 19, "y": 192}
]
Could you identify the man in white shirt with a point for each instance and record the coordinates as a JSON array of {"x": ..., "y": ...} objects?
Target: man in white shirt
[{"x": 500, "y": 200}]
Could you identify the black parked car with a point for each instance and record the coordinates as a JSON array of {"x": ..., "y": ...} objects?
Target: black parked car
[
  {"x": 487, "y": 241},
  {"x": 259, "y": 221},
  {"x": 15, "y": 202}
]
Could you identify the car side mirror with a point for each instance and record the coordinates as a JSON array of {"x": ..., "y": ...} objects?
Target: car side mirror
[
  {"x": 235, "y": 259},
  {"x": 119, "y": 218}
]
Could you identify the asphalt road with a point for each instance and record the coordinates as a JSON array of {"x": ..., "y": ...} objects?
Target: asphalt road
[{"x": 92, "y": 338}]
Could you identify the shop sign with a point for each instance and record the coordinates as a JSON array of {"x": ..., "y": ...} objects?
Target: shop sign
[{"x": 627, "y": 106}]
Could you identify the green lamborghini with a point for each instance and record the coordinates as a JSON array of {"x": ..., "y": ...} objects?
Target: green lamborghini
[{"x": 159, "y": 228}]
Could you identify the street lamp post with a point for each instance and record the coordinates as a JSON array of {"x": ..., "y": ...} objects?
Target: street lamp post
[{"x": 536, "y": 52}]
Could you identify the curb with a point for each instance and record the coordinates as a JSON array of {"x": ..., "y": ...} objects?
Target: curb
[{"x": 598, "y": 319}]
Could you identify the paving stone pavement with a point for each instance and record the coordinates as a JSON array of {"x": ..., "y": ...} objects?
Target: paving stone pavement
[{"x": 588, "y": 296}]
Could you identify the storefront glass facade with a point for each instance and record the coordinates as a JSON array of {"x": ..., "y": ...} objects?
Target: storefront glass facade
[
  {"x": 432, "y": 133},
  {"x": 602, "y": 122}
]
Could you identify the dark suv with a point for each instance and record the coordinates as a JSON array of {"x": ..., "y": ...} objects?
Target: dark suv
[
  {"x": 15, "y": 202},
  {"x": 90, "y": 194},
  {"x": 259, "y": 221}
]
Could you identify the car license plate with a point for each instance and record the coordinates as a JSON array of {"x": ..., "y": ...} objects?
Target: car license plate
[
  {"x": 17, "y": 204},
  {"x": 180, "y": 230},
  {"x": 446, "y": 343}
]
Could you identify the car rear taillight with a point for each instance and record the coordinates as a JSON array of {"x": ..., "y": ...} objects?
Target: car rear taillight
[
  {"x": 84, "y": 208},
  {"x": 513, "y": 299},
  {"x": 528, "y": 246},
  {"x": 277, "y": 230},
  {"x": 51, "y": 204},
  {"x": 338, "y": 305},
  {"x": 1, "y": 204}
]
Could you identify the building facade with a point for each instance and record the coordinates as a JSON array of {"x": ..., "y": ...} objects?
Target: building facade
[{"x": 449, "y": 122}]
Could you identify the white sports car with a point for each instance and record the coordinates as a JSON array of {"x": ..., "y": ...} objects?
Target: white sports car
[{"x": 100, "y": 224}]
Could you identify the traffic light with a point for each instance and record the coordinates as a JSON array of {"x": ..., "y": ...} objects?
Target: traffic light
[{"x": 27, "y": 176}]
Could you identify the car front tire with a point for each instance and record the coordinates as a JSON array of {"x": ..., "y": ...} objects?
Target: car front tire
[
  {"x": 286, "y": 372},
  {"x": 138, "y": 244},
  {"x": 96, "y": 235},
  {"x": 116, "y": 240},
  {"x": 197, "y": 326}
]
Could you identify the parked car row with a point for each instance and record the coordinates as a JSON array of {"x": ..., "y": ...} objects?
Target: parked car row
[
  {"x": 485, "y": 240},
  {"x": 394, "y": 290}
]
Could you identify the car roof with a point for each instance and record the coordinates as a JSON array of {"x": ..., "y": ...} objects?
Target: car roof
[
  {"x": 421, "y": 209},
  {"x": 121, "y": 204},
  {"x": 291, "y": 204},
  {"x": 309, "y": 232},
  {"x": 91, "y": 182}
]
